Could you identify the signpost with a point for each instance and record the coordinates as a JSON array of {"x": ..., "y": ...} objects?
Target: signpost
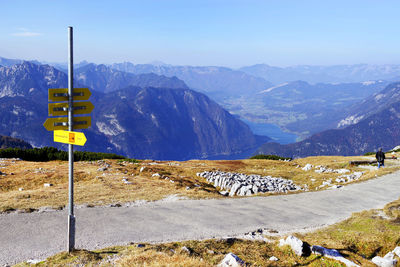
[
  {"x": 61, "y": 109},
  {"x": 61, "y": 123},
  {"x": 61, "y": 94},
  {"x": 67, "y": 137},
  {"x": 67, "y": 108}
]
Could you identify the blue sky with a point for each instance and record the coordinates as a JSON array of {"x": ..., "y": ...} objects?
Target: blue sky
[{"x": 204, "y": 32}]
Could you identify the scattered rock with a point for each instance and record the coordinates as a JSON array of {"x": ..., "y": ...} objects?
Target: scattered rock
[
  {"x": 186, "y": 250},
  {"x": 224, "y": 193},
  {"x": 231, "y": 260},
  {"x": 299, "y": 247},
  {"x": 397, "y": 251},
  {"x": 245, "y": 185},
  {"x": 142, "y": 169},
  {"x": 115, "y": 205},
  {"x": 45, "y": 209},
  {"x": 350, "y": 177},
  {"x": 307, "y": 167},
  {"x": 273, "y": 258},
  {"x": 387, "y": 261},
  {"x": 172, "y": 198},
  {"x": 335, "y": 186},
  {"x": 326, "y": 183},
  {"x": 333, "y": 254},
  {"x": 156, "y": 175},
  {"x": 47, "y": 185},
  {"x": 255, "y": 235},
  {"x": 102, "y": 169},
  {"x": 33, "y": 261},
  {"x": 20, "y": 189},
  {"x": 323, "y": 169}
]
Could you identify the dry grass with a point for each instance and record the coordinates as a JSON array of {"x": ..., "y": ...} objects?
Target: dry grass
[{"x": 93, "y": 187}]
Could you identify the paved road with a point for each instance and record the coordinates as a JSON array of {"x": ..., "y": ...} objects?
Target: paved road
[{"x": 39, "y": 235}]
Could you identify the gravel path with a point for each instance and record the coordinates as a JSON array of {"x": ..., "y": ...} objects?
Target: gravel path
[{"x": 39, "y": 235}]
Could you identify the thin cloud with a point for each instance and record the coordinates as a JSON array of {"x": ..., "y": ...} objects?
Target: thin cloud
[{"x": 23, "y": 32}]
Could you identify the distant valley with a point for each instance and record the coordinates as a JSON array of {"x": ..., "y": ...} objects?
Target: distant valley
[
  {"x": 333, "y": 97},
  {"x": 376, "y": 124}
]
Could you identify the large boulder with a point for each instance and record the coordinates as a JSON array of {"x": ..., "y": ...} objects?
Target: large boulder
[
  {"x": 299, "y": 247},
  {"x": 387, "y": 261},
  {"x": 231, "y": 260}
]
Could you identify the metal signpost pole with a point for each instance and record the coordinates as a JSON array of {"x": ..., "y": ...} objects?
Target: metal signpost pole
[{"x": 71, "y": 217}]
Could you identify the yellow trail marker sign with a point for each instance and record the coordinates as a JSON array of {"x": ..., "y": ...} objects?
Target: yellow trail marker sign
[
  {"x": 61, "y": 109},
  {"x": 67, "y": 137},
  {"x": 61, "y": 94},
  {"x": 61, "y": 123}
]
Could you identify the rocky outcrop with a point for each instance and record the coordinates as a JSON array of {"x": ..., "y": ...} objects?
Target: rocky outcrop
[
  {"x": 299, "y": 247},
  {"x": 245, "y": 185},
  {"x": 303, "y": 249},
  {"x": 333, "y": 254}
]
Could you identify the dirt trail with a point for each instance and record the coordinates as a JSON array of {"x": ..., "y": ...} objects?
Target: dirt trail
[{"x": 39, "y": 235}]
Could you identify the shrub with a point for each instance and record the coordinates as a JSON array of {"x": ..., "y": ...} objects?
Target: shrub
[
  {"x": 271, "y": 157},
  {"x": 52, "y": 153}
]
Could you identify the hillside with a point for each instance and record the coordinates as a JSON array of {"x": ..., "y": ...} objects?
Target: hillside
[
  {"x": 376, "y": 102},
  {"x": 161, "y": 123},
  {"x": 9, "y": 142},
  {"x": 381, "y": 129}
]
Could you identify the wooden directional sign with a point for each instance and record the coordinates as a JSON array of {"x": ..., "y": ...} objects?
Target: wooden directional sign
[
  {"x": 61, "y": 94},
  {"x": 61, "y": 123},
  {"x": 61, "y": 109},
  {"x": 67, "y": 137}
]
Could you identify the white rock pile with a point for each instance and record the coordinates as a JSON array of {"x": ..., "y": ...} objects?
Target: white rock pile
[
  {"x": 245, "y": 185},
  {"x": 349, "y": 177},
  {"x": 323, "y": 169}
]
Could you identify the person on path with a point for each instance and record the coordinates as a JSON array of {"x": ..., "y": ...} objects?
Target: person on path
[{"x": 380, "y": 157}]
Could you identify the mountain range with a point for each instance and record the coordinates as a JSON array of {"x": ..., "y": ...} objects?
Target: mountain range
[
  {"x": 151, "y": 118},
  {"x": 325, "y": 74},
  {"x": 175, "y": 114},
  {"x": 217, "y": 82}
]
